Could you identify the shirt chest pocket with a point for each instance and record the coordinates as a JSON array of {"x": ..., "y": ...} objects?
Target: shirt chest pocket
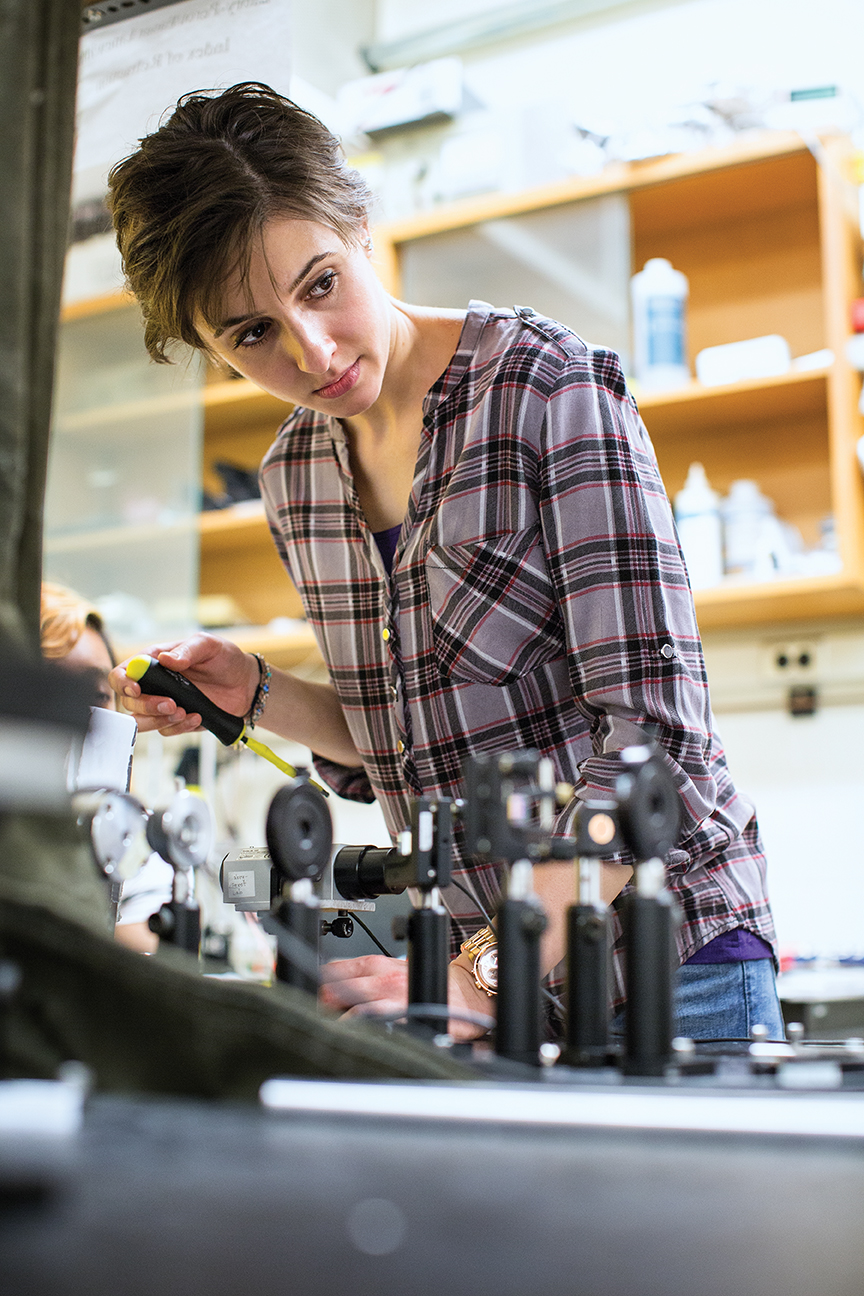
[{"x": 494, "y": 614}]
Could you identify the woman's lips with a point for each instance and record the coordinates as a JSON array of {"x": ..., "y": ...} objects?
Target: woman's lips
[{"x": 342, "y": 384}]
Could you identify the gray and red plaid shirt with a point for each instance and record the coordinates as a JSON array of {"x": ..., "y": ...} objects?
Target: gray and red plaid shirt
[{"x": 538, "y": 599}]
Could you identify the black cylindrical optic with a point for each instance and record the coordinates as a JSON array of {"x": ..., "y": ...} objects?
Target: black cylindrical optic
[
  {"x": 366, "y": 872},
  {"x": 649, "y": 926},
  {"x": 304, "y": 922},
  {"x": 428, "y": 961},
  {"x": 519, "y": 925},
  {"x": 587, "y": 986}
]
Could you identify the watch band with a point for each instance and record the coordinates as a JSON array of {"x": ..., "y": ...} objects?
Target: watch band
[{"x": 482, "y": 949}]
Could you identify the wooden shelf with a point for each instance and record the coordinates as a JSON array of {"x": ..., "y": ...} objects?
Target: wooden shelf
[
  {"x": 228, "y": 528},
  {"x": 237, "y": 403},
  {"x": 793, "y": 599},
  {"x": 757, "y": 400}
]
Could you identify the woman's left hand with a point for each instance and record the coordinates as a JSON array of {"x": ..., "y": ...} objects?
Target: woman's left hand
[{"x": 378, "y": 986}]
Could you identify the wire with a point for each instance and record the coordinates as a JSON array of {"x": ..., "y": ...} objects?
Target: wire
[
  {"x": 474, "y": 898},
  {"x": 372, "y": 936},
  {"x": 439, "y": 1010}
]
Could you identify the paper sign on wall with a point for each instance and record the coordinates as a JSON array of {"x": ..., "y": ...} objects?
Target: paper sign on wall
[{"x": 131, "y": 72}]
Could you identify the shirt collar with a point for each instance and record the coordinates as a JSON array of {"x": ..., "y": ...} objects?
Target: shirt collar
[{"x": 477, "y": 314}]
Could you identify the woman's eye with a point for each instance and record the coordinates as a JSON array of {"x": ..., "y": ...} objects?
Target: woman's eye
[
  {"x": 324, "y": 285},
  {"x": 251, "y": 336}
]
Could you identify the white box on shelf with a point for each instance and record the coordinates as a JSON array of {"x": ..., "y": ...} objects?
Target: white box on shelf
[{"x": 762, "y": 357}]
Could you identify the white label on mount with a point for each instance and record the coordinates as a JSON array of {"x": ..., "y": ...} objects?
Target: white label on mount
[{"x": 241, "y": 886}]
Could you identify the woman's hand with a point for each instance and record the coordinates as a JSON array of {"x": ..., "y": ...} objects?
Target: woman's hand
[
  {"x": 220, "y": 669},
  {"x": 378, "y": 986}
]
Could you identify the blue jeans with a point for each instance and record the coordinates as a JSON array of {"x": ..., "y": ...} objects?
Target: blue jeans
[{"x": 724, "y": 1001}]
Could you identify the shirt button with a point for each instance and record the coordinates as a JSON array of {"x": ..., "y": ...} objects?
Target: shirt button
[
  {"x": 400, "y": 747},
  {"x": 394, "y": 690},
  {"x": 385, "y": 634},
  {"x": 667, "y": 651}
]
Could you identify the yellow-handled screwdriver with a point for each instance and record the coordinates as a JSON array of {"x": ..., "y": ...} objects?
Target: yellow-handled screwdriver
[{"x": 158, "y": 680}]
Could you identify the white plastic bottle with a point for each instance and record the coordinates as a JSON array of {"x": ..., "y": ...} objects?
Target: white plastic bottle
[
  {"x": 697, "y": 516},
  {"x": 659, "y": 299},
  {"x": 745, "y": 513}
]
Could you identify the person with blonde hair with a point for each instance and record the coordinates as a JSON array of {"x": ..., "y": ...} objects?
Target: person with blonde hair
[
  {"x": 71, "y": 630},
  {"x": 73, "y": 633}
]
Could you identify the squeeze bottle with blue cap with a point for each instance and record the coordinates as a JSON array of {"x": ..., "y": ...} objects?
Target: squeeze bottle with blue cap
[
  {"x": 697, "y": 516},
  {"x": 659, "y": 298}
]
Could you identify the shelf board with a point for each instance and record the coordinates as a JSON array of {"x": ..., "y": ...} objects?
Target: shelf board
[
  {"x": 237, "y": 403},
  {"x": 233, "y": 527},
  {"x": 119, "y": 536},
  {"x": 87, "y": 306},
  {"x": 616, "y": 177},
  {"x": 793, "y": 599},
  {"x": 699, "y": 408}
]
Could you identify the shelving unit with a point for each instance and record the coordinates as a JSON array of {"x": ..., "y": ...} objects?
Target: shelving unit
[{"x": 768, "y": 237}]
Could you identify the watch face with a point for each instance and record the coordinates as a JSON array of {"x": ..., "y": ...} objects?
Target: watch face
[{"x": 486, "y": 967}]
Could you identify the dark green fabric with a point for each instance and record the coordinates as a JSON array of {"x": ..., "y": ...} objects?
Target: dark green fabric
[
  {"x": 46, "y": 861},
  {"x": 38, "y": 69},
  {"x": 144, "y": 1026},
  {"x": 155, "y": 1024}
]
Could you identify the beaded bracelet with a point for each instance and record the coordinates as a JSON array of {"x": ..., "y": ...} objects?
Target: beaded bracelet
[{"x": 262, "y": 692}]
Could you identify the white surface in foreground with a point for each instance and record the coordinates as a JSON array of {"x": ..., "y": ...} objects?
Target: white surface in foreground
[{"x": 832, "y": 1115}]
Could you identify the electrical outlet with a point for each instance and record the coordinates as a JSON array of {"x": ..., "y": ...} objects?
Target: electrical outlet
[{"x": 792, "y": 659}]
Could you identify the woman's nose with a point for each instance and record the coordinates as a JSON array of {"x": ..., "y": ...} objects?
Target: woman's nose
[{"x": 313, "y": 350}]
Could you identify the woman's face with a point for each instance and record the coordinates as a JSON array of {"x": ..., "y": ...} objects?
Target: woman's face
[
  {"x": 90, "y": 654},
  {"x": 311, "y": 325}
]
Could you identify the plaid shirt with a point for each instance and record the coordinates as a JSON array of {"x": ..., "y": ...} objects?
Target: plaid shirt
[{"x": 538, "y": 599}]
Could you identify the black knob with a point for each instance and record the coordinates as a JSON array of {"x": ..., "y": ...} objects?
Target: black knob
[
  {"x": 162, "y": 923},
  {"x": 342, "y": 926}
]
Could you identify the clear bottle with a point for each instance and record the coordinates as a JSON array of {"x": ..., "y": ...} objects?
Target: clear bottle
[
  {"x": 745, "y": 511},
  {"x": 697, "y": 516},
  {"x": 659, "y": 299}
]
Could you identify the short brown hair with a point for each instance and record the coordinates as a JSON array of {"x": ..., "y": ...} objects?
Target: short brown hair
[
  {"x": 188, "y": 204},
  {"x": 64, "y": 618}
]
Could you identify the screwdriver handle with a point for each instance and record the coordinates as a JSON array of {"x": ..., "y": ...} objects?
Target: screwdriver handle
[{"x": 156, "y": 679}]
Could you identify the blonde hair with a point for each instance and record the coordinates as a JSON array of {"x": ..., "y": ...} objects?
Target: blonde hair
[{"x": 64, "y": 618}]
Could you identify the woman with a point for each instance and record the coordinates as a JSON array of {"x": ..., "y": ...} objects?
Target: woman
[{"x": 471, "y": 510}]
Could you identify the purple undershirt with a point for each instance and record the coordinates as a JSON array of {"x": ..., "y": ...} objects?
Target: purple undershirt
[
  {"x": 736, "y": 946},
  {"x": 387, "y": 542}
]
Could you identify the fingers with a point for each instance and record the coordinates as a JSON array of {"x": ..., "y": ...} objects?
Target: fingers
[
  {"x": 381, "y": 1008},
  {"x": 369, "y": 965},
  {"x": 151, "y": 712},
  {"x": 365, "y": 983}
]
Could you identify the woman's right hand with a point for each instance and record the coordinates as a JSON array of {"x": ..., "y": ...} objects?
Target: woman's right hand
[{"x": 218, "y": 667}]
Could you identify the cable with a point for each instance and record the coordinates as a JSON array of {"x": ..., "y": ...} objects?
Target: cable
[
  {"x": 372, "y": 936},
  {"x": 473, "y": 898},
  {"x": 439, "y": 1010}
]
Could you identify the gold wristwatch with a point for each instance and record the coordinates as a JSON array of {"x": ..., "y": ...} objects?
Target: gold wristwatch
[{"x": 482, "y": 948}]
